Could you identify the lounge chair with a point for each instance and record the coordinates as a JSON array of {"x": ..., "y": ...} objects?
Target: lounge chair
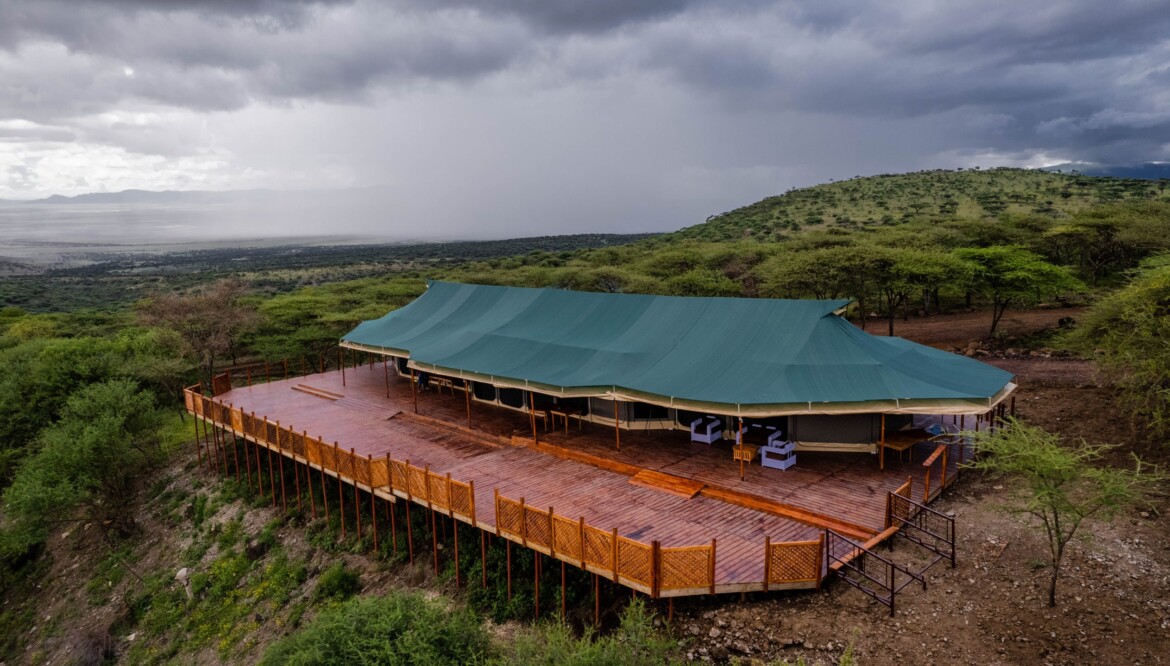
[{"x": 706, "y": 429}]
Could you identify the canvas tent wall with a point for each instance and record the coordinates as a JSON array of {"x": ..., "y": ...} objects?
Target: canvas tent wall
[{"x": 733, "y": 356}]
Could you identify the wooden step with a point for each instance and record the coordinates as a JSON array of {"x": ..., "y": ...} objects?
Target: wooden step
[
  {"x": 317, "y": 392},
  {"x": 479, "y": 436},
  {"x": 798, "y": 514},
  {"x": 667, "y": 483}
]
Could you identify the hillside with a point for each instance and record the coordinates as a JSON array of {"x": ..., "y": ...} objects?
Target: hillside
[{"x": 891, "y": 198}]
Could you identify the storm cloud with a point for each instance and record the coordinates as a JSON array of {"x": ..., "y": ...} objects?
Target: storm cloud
[{"x": 516, "y": 116}]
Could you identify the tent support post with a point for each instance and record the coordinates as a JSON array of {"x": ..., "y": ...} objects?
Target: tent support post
[
  {"x": 617, "y": 426},
  {"x": 467, "y": 394},
  {"x": 532, "y": 417},
  {"x": 882, "y": 445},
  {"x": 414, "y": 390}
]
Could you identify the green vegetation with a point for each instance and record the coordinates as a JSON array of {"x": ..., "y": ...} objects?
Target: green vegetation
[
  {"x": 635, "y": 642},
  {"x": 394, "y": 629},
  {"x": 89, "y": 384},
  {"x": 107, "y": 432},
  {"x": 1062, "y": 485},
  {"x": 1130, "y": 330},
  {"x": 891, "y": 199}
]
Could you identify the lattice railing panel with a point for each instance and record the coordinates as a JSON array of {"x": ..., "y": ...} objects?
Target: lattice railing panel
[
  {"x": 687, "y": 567},
  {"x": 437, "y": 487},
  {"x": 361, "y": 469},
  {"x": 509, "y": 516},
  {"x": 313, "y": 450},
  {"x": 461, "y": 499},
  {"x": 598, "y": 547},
  {"x": 294, "y": 441},
  {"x": 635, "y": 561},
  {"x": 237, "y": 420},
  {"x": 794, "y": 562},
  {"x": 539, "y": 531},
  {"x": 399, "y": 476},
  {"x": 189, "y": 400},
  {"x": 567, "y": 537},
  {"x": 380, "y": 473},
  {"x": 328, "y": 456},
  {"x": 270, "y": 433},
  {"x": 345, "y": 464},
  {"x": 417, "y": 478}
]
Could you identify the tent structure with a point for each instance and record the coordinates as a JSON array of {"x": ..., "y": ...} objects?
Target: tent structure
[{"x": 739, "y": 356}]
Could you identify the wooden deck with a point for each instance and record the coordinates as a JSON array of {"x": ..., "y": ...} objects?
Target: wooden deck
[{"x": 658, "y": 488}]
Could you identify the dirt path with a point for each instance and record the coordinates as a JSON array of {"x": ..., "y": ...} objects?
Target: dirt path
[{"x": 952, "y": 331}]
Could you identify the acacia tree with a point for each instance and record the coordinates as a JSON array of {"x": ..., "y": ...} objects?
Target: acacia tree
[
  {"x": 208, "y": 321},
  {"x": 106, "y": 433},
  {"x": 1062, "y": 486},
  {"x": 1012, "y": 275},
  {"x": 1131, "y": 330}
]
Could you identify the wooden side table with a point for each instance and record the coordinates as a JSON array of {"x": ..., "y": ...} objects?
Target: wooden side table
[{"x": 745, "y": 454}]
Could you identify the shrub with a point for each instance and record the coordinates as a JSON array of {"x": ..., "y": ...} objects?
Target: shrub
[
  {"x": 634, "y": 643},
  {"x": 338, "y": 582},
  {"x": 397, "y": 629}
]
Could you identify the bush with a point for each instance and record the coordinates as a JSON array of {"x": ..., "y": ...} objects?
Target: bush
[
  {"x": 634, "y": 643},
  {"x": 338, "y": 582},
  {"x": 397, "y": 629}
]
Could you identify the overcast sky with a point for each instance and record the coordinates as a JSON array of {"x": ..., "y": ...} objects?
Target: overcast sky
[{"x": 505, "y": 117}]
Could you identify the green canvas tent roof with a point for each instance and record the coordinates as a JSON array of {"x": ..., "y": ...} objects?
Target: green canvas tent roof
[{"x": 745, "y": 356}]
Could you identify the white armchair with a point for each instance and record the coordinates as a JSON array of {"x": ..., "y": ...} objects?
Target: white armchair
[{"x": 706, "y": 429}]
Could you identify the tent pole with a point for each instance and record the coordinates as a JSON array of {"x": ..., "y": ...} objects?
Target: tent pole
[
  {"x": 882, "y": 445},
  {"x": 467, "y": 394},
  {"x": 617, "y": 426},
  {"x": 532, "y": 416},
  {"x": 386, "y": 371},
  {"x": 414, "y": 390},
  {"x": 741, "y": 444}
]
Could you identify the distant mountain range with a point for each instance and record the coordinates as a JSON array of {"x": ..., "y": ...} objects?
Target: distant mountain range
[
  {"x": 190, "y": 196},
  {"x": 1148, "y": 171}
]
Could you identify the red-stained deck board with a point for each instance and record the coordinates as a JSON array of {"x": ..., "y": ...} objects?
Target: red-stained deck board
[{"x": 842, "y": 486}]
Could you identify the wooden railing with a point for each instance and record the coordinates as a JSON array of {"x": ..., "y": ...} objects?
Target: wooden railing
[
  {"x": 793, "y": 562},
  {"x": 647, "y": 567},
  {"x": 941, "y": 451}
]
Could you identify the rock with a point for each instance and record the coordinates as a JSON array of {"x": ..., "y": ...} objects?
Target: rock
[
  {"x": 720, "y": 653},
  {"x": 256, "y": 549},
  {"x": 184, "y": 577},
  {"x": 741, "y": 647},
  {"x": 715, "y": 632}
]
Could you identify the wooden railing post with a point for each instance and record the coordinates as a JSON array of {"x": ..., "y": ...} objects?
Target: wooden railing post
[
  {"x": 552, "y": 534},
  {"x": 615, "y": 555},
  {"x": 496, "y": 493},
  {"x": 523, "y": 524},
  {"x": 655, "y": 568},
  {"x": 711, "y": 567},
  {"x": 471, "y": 486},
  {"x": 820, "y": 559},
  {"x": 767, "y": 561}
]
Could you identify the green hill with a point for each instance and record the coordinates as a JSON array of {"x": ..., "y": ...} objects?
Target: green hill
[{"x": 889, "y": 199}]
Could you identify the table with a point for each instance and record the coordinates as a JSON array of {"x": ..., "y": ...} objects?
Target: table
[
  {"x": 565, "y": 413},
  {"x": 901, "y": 441}
]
